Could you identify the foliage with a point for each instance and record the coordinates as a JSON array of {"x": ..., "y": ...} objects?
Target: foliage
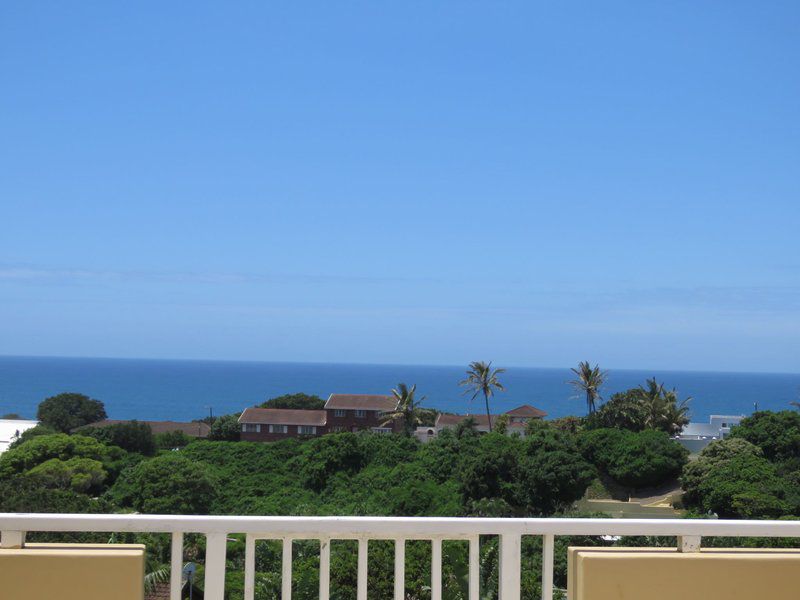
[
  {"x": 408, "y": 412},
  {"x": 535, "y": 475},
  {"x": 328, "y": 455},
  {"x": 226, "y": 428},
  {"x": 68, "y": 411},
  {"x": 11, "y": 417},
  {"x": 295, "y": 401},
  {"x": 645, "y": 407},
  {"x": 37, "y": 450},
  {"x": 733, "y": 479},
  {"x": 82, "y": 475},
  {"x": 569, "y": 424},
  {"x": 482, "y": 379},
  {"x": 501, "y": 424},
  {"x": 30, "y": 434},
  {"x": 589, "y": 381},
  {"x": 132, "y": 436},
  {"x": 170, "y": 440},
  {"x": 167, "y": 484},
  {"x": 776, "y": 433},
  {"x": 24, "y": 494},
  {"x": 634, "y": 459}
]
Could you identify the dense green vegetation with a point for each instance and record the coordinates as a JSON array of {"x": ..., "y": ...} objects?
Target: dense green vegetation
[{"x": 755, "y": 473}]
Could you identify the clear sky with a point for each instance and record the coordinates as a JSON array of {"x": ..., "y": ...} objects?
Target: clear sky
[{"x": 535, "y": 183}]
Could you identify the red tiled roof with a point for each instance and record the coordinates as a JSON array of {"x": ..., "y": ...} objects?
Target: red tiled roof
[
  {"x": 193, "y": 429},
  {"x": 526, "y": 410},
  {"x": 361, "y": 402},
  {"x": 283, "y": 416}
]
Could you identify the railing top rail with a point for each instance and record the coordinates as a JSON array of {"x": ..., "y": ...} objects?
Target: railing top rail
[{"x": 391, "y": 527}]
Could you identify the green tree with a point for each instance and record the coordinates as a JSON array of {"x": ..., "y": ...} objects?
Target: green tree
[
  {"x": 482, "y": 379},
  {"x": 645, "y": 407},
  {"x": 132, "y": 436},
  {"x": 776, "y": 433},
  {"x": 68, "y": 411},
  {"x": 82, "y": 475},
  {"x": 42, "y": 448},
  {"x": 408, "y": 410},
  {"x": 30, "y": 434},
  {"x": 11, "y": 417},
  {"x": 590, "y": 381},
  {"x": 296, "y": 401},
  {"x": 634, "y": 459},
  {"x": 170, "y": 440},
  {"x": 168, "y": 484},
  {"x": 226, "y": 428}
]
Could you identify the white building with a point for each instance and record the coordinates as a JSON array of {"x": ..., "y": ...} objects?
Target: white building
[
  {"x": 696, "y": 436},
  {"x": 11, "y": 428}
]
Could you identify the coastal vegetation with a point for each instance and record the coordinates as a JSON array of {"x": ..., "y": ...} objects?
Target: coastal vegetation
[{"x": 625, "y": 443}]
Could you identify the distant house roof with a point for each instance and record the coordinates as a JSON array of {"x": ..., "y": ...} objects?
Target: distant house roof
[
  {"x": 526, "y": 411},
  {"x": 192, "y": 429},
  {"x": 283, "y": 416},
  {"x": 700, "y": 430},
  {"x": 361, "y": 402}
]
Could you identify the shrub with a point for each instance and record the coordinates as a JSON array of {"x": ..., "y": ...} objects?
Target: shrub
[
  {"x": 634, "y": 459},
  {"x": 132, "y": 436},
  {"x": 776, "y": 433},
  {"x": 168, "y": 484}
]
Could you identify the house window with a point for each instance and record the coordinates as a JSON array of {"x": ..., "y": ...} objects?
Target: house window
[
  {"x": 382, "y": 429},
  {"x": 278, "y": 429},
  {"x": 251, "y": 428},
  {"x": 339, "y": 412},
  {"x": 339, "y": 429},
  {"x": 361, "y": 414},
  {"x": 306, "y": 430}
]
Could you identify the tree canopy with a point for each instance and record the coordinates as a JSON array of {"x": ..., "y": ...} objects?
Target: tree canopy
[
  {"x": 68, "y": 411},
  {"x": 296, "y": 401}
]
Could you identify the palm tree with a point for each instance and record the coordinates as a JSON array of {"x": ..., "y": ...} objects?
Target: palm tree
[
  {"x": 482, "y": 379},
  {"x": 408, "y": 408},
  {"x": 664, "y": 410},
  {"x": 590, "y": 380}
]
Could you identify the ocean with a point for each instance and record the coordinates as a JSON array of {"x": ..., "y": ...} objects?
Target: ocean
[{"x": 183, "y": 390}]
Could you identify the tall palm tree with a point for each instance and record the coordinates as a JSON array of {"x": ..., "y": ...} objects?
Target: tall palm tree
[
  {"x": 482, "y": 379},
  {"x": 589, "y": 381},
  {"x": 664, "y": 410},
  {"x": 408, "y": 408}
]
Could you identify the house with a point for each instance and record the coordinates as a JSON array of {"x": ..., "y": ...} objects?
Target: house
[
  {"x": 271, "y": 424},
  {"x": 342, "y": 412},
  {"x": 356, "y": 412},
  {"x": 196, "y": 429},
  {"x": 518, "y": 419},
  {"x": 10, "y": 429},
  {"x": 696, "y": 436}
]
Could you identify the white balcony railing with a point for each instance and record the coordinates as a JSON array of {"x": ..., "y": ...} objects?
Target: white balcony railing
[{"x": 510, "y": 531}]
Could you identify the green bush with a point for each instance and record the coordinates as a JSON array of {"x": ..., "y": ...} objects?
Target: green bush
[
  {"x": 776, "y": 433},
  {"x": 634, "y": 459},
  {"x": 132, "y": 436},
  {"x": 68, "y": 411}
]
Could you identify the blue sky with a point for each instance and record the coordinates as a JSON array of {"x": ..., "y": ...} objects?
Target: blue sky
[{"x": 535, "y": 183}]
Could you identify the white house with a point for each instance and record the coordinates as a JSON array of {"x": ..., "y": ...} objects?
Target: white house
[
  {"x": 11, "y": 428},
  {"x": 696, "y": 436}
]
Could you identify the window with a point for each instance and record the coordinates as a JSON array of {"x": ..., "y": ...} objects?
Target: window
[
  {"x": 251, "y": 428},
  {"x": 306, "y": 430},
  {"x": 382, "y": 429},
  {"x": 339, "y": 412},
  {"x": 361, "y": 414},
  {"x": 339, "y": 429},
  {"x": 278, "y": 429}
]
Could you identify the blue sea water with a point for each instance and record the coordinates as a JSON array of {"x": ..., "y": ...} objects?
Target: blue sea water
[{"x": 184, "y": 390}]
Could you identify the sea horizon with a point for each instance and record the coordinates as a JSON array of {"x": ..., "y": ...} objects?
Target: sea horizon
[{"x": 186, "y": 389}]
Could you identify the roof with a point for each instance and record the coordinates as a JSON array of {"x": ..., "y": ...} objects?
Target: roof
[
  {"x": 192, "y": 429},
  {"x": 361, "y": 402},
  {"x": 700, "y": 430},
  {"x": 526, "y": 410},
  {"x": 283, "y": 416}
]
